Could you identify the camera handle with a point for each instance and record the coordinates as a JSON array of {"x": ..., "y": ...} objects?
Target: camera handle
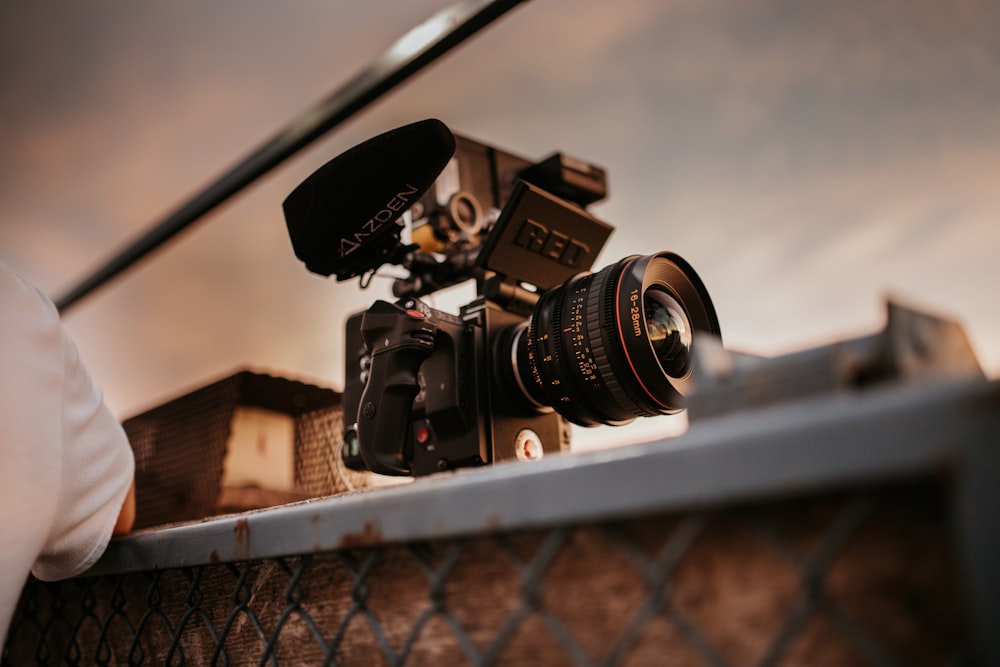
[{"x": 398, "y": 340}]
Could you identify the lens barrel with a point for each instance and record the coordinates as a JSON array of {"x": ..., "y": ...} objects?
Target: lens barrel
[{"x": 607, "y": 347}]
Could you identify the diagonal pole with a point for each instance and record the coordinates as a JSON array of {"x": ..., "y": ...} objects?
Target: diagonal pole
[{"x": 408, "y": 55}]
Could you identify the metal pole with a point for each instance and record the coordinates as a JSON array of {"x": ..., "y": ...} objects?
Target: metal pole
[{"x": 408, "y": 55}]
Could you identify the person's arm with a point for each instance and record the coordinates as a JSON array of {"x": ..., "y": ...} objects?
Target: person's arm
[
  {"x": 66, "y": 467},
  {"x": 65, "y": 455},
  {"x": 97, "y": 477}
]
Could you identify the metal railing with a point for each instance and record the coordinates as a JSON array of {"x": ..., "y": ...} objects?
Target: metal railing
[
  {"x": 852, "y": 529},
  {"x": 518, "y": 598}
]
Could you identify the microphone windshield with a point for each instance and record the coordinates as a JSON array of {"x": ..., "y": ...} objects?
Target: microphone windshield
[{"x": 342, "y": 218}]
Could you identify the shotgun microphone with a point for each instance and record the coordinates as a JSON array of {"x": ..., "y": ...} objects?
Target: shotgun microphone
[{"x": 343, "y": 218}]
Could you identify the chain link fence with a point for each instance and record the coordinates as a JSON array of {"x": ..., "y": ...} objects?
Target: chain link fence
[{"x": 864, "y": 576}]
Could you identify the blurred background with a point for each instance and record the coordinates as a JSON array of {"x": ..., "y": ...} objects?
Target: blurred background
[{"x": 808, "y": 159}]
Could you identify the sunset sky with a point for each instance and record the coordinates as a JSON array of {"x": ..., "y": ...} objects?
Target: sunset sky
[{"x": 808, "y": 159}]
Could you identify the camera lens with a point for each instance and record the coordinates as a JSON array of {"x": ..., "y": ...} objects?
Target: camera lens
[{"x": 607, "y": 347}]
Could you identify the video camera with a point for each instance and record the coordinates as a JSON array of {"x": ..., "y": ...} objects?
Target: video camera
[{"x": 546, "y": 342}]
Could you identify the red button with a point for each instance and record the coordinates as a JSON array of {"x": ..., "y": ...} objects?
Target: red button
[{"x": 415, "y": 314}]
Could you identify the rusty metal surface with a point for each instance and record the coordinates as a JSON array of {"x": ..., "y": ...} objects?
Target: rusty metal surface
[
  {"x": 864, "y": 575},
  {"x": 881, "y": 433}
]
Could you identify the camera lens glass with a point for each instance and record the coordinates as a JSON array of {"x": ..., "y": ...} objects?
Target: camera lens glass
[
  {"x": 607, "y": 347},
  {"x": 669, "y": 331}
]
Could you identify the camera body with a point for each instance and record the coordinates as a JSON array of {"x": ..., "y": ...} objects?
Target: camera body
[{"x": 545, "y": 342}]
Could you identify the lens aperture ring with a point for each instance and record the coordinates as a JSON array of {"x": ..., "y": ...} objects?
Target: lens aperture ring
[
  {"x": 517, "y": 345},
  {"x": 575, "y": 358},
  {"x": 542, "y": 330},
  {"x": 562, "y": 359}
]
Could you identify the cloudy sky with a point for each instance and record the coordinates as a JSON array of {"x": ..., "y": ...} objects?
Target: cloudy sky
[{"x": 809, "y": 159}]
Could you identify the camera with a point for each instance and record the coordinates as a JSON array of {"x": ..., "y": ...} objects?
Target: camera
[{"x": 545, "y": 342}]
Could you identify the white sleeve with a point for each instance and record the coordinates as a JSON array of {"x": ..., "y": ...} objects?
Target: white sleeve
[
  {"x": 70, "y": 461},
  {"x": 97, "y": 472}
]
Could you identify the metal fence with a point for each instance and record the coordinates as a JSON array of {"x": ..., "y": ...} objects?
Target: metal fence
[
  {"x": 864, "y": 577},
  {"x": 807, "y": 538}
]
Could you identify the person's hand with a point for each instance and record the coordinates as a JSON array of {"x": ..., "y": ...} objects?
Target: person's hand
[{"x": 126, "y": 517}]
